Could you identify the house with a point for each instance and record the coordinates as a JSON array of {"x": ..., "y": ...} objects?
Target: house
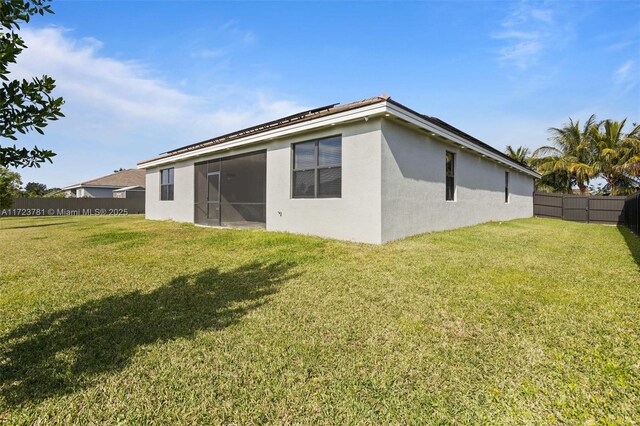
[
  {"x": 370, "y": 171},
  {"x": 104, "y": 187}
]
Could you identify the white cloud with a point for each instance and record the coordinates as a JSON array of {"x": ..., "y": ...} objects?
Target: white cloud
[
  {"x": 119, "y": 112},
  {"x": 626, "y": 75},
  {"x": 527, "y": 32}
]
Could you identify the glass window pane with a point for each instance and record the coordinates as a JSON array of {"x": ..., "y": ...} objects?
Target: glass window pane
[
  {"x": 330, "y": 151},
  {"x": 304, "y": 155},
  {"x": 450, "y": 188},
  {"x": 166, "y": 176},
  {"x": 450, "y": 163},
  {"x": 304, "y": 184},
  {"x": 506, "y": 187},
  {"x": 330, "y": 182},
  {"x": 170, "y": 187}
]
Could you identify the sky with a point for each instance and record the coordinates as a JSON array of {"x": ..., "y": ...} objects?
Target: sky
[{"x": 142, "y": 77}]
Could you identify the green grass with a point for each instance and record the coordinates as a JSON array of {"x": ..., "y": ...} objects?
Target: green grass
[{"x": 122, "y": 320}]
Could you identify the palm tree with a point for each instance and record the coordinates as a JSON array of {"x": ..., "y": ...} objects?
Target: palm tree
[
  {"x": 554, "y": 181},
  {"x": 520, "y": 154},
  {"x": 571, "y": 154},
  {"x": 617, "y": 155}
]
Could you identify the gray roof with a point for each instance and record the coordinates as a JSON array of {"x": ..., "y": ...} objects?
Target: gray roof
[{"x": 121, "y": 179}]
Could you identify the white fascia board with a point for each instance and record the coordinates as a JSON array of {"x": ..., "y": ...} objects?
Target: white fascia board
[
  {"x": 82, "y": 185},
  {"x": 421, "y": 122},
  {"x": 339, "y": 118},
  {"x": 66, "y": 188}
]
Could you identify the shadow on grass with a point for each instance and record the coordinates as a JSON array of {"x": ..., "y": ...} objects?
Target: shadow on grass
[
  {"x": 633, "y": 242},
  {"x": 39, "y": 225},
  {"x": 65, "y": 351}
]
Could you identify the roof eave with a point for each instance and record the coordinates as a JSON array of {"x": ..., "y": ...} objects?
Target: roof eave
[
  {"x": 388, "y": 108},
  {"x": 343, "y": 117},
  {"x": 416, "y": 119}
]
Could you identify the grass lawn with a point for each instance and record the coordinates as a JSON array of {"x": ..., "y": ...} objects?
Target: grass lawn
[{"x": 122, "y": 320}]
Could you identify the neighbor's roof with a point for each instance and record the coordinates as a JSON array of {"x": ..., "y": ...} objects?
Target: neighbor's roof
[
  {"x": 124, "y": 178},
  {"x": 328, "y": 110}
]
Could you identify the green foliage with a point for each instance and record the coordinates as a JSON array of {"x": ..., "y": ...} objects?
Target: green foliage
[
  {"x": 24, "y": 105},
  {"x": 570, "y": 157},
  {"x": 9, "y": 187},
  {"x": 581, "y": 153},
  {"x": 520, "y": 154},
  {"x": 616, "y": 155},
  {"x": 35, "y": 189}
]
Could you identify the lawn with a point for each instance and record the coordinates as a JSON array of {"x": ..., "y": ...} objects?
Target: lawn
[{"x": 122, "y": 320}]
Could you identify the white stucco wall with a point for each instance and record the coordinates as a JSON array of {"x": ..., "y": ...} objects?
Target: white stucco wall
[
  {"x": 355, "y": 216},
  {"x": 180, "y": 208},
  {"x": 413, "y": 186}
]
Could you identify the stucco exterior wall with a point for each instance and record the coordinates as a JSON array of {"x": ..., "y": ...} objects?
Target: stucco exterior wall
[
  {"x": 180, "y": 208},
  {"x": 355, "y": 216},
  {"x": 413, "y": 186}
]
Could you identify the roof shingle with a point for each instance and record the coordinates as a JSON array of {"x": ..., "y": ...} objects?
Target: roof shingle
[{"x": 127, "y": 177}]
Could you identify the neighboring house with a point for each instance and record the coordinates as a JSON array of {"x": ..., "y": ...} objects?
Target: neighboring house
[
  {"x": 370, "y": 171},
  {"x": 104, "y": 187}
]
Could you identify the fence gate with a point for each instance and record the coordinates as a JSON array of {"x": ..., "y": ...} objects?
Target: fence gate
[{"x": 576, "y": 209}]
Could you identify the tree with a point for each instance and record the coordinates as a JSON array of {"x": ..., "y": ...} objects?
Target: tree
[
  {"x": 521, "y": 154},
  {"x": 35, "y": 189},
  {"x": 571, "y": 153},
  {"x": 25, "y": 106},
  {"x": 9, "y": 187},
  {"x": 617, "y": 155}
]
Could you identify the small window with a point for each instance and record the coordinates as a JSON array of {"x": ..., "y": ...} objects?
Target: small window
[
  {"x": 317, "y": 168},
  {"x": 506, "y": 187},
  {"x": 450, "y": 176},
  {"x": 166, "y": 184}
]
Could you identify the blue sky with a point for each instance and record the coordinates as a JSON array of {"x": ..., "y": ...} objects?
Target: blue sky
[{"x": 142, "y": 77}]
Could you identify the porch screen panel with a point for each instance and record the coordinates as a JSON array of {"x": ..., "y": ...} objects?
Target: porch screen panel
[
  {"x": 243, "y": 195},
  {"x": 200, "y": 216}
]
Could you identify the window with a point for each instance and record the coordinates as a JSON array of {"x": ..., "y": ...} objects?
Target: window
[
  {"x": 166, "y": 184},
  {"x": 317, "y": 168},
  {"x": 450, "y": 176},
  {"x": 506, "y": 187}
]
